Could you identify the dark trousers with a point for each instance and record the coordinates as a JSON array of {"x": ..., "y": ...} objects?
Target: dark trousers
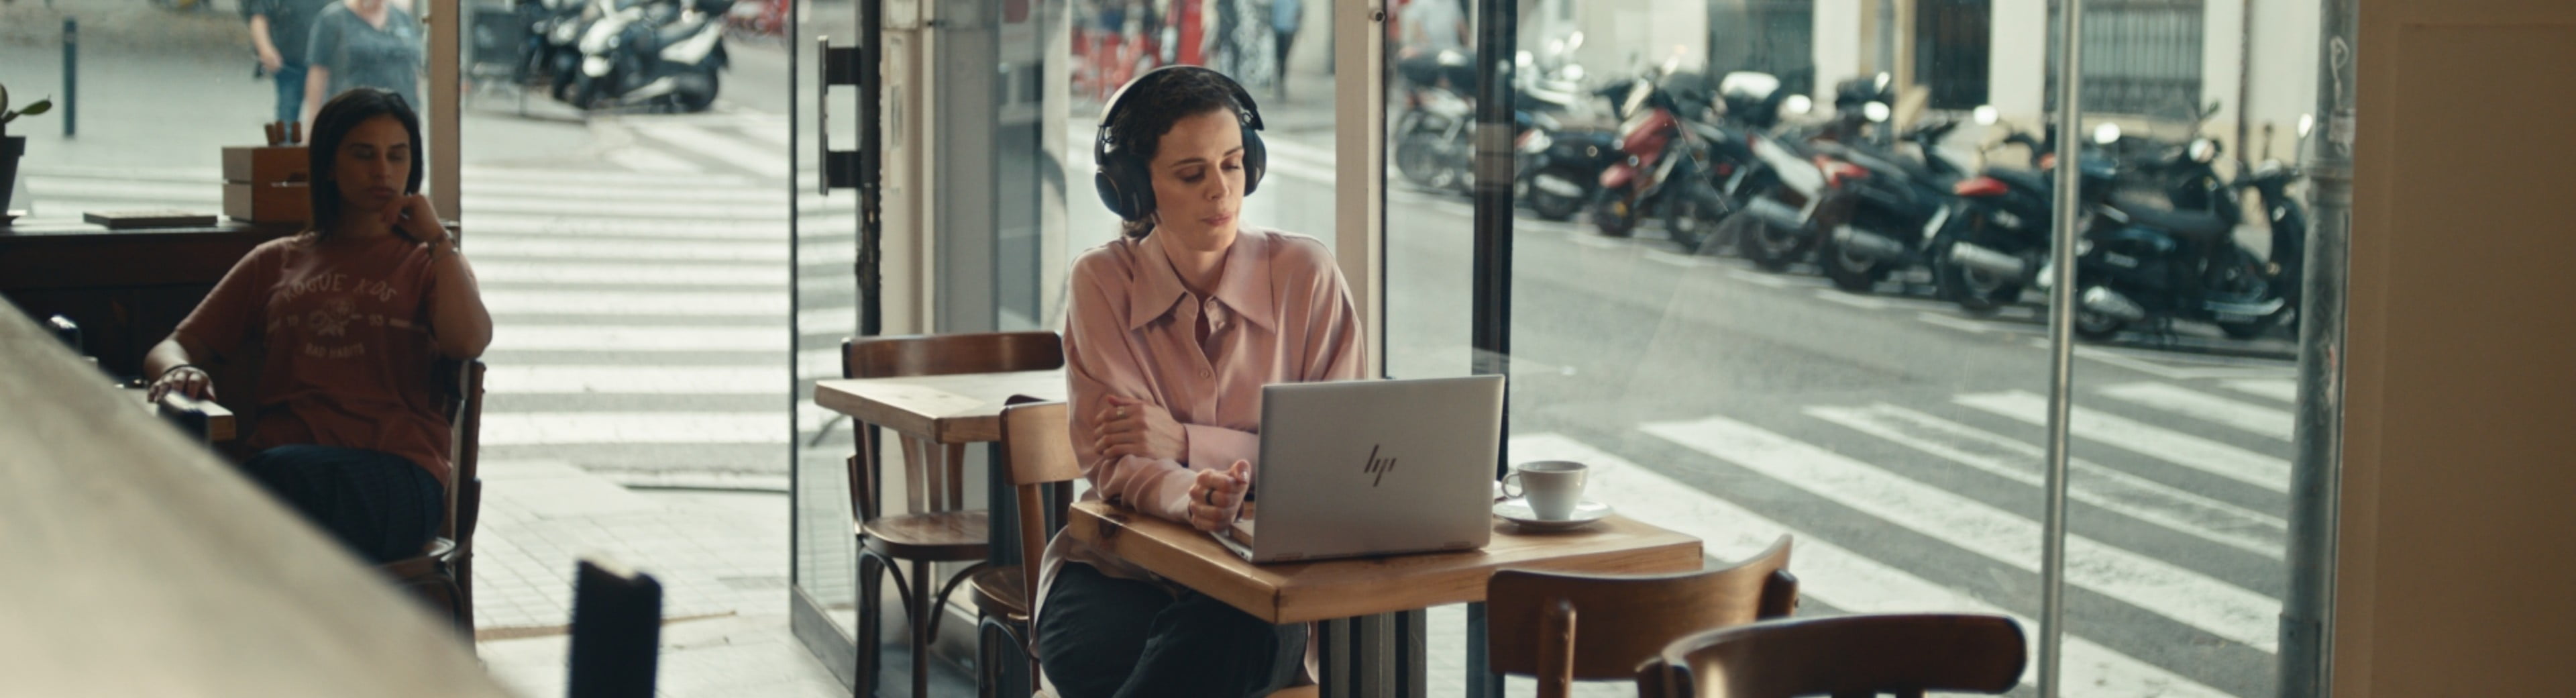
[
  {"x": 1280, "y": 48},
  {"x": 1102, "y": 637},
  {"x": 290, "y": 92},
  {"x": 383, "y": 506}
]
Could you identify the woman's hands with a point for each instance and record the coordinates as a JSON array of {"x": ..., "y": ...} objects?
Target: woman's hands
[
  {"x": 413, "y": 217},
  {"x": 185, "y": 380},
  {"x": 1130, "y": 427},
  {"x": 1216, "y": 496}
]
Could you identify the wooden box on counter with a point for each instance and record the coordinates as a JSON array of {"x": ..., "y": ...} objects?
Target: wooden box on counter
[{"x": 267, "y": 184}]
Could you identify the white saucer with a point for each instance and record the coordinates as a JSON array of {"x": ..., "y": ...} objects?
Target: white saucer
[{"x": 1517, "y": 511}]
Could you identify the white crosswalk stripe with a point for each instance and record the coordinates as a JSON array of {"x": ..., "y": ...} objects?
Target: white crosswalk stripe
[
  {"x": 2184, "y": 595},
  {"x": 491, "y": 272},
  {"x": 2203, "y": 406},
  {"x": 2282, "y": 389},
  {"x": 2092, "y": 483},
  {"x": 1831, "y": 573},
  {"x": 2153, "y": 441},
  {"x": 637, "y": 379}
]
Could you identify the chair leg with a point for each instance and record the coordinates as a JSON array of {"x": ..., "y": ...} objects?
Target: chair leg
[
  {"x": 944, "y": 592},
  {"x": 923, "y": 614},
  {"x": 872, "y": 571}
]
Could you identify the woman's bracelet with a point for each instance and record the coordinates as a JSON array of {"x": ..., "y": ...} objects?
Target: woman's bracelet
[{"x": 165, "y": 373}]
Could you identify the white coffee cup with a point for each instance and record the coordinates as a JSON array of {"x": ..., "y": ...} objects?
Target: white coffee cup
[{"x": 1552, "y": 487}]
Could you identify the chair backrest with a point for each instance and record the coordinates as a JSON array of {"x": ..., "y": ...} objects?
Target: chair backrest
[
  {"x": 1564, "y": 627},
  {"x": 462, "y": 382},
  {"x": 933, "y": 355},
  {"x": 616, "y": 632},
  {"x": 944, "y": 354},
  {"x": 1898, "y": 654},
  {"x": 1040, "y": 451}
]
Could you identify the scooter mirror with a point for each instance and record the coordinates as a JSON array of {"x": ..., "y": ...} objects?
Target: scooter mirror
[
  {"x": 1574, "y": 41},
  {"x": 1877, "y": 111},
  {"x": 2307, "y": 123},
  {"x": 1556, "y": 47},
  {"x": 1986, "y": 116},
  {"x": 1797, "y": 104},
  {"x": 2106, "y": 134}
]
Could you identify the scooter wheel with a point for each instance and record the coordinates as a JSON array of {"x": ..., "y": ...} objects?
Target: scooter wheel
[{"x": 1612, "y": 214}]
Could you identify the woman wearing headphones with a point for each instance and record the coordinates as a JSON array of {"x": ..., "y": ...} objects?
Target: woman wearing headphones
[{"x": 1170, "y": 333}]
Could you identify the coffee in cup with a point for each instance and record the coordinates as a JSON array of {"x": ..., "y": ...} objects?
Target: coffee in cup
[{"x": 1552, "y": 487}]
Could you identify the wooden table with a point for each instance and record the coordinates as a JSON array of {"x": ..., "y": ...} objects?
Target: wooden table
[
  {"x": 1370, "y": 608},
  {"x": 136, "y": 564},
  {"x": 952, "y": 409}
]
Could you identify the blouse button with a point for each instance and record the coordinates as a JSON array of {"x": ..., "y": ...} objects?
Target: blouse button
[{"x": 1207, "y": 373}]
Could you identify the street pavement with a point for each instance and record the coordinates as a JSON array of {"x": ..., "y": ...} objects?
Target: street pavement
[{"x": 639, "y": 270}]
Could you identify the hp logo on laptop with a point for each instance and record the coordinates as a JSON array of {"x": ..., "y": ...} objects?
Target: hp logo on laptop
[{"x": 1378, "y": 467}]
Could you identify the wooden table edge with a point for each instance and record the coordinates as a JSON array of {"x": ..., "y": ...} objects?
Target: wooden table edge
[{"x": 1270, "y": 603}]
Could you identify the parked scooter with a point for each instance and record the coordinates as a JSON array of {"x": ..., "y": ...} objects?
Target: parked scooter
[
  {"x": 663, "y": 54},
  {"x": 1895, "y": 211},
  {"x": 1560, "y": 167},
  {"x": 1997, "y": 236},
  {"x": 1665, "y": 135},
  {"x": 1788, "y": 208},
  {"x": 2145, "y": 262}
]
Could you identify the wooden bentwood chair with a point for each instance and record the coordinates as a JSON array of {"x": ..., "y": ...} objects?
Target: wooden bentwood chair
[
  {"x": 1041, "y": 465},
  {"x": 1563, "y": 627},
  {"x": 1842, "y": 656},
  {"x": 938, "y": 528},
  {"x": 443, "y": 574}
]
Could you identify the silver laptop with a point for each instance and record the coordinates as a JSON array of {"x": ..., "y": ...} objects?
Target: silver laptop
[{"x": 1372, "y": 468}]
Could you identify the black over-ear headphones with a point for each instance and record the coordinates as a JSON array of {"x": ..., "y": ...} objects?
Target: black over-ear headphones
[{"x": 1125, "y": 184}]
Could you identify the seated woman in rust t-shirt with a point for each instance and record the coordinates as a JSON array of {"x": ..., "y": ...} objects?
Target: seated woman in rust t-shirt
[{"x": 349, "y": 317}]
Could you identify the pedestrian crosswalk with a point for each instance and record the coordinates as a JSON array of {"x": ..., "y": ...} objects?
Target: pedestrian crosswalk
[{"x": 2174, "y": 578}]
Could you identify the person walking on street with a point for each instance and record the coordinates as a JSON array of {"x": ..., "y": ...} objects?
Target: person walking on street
[
  {"x": 1283, "y": 24},
  {"x": 279, "y": 32},
  {"x": 1432, "y": 26},
  {"x": 364, "y": 43}
]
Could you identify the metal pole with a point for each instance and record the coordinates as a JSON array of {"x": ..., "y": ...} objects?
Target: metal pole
[
  {"x": 71, "y": 77},
  {"x": 2061, "y": 338},
  {"x": 2244, "y": 83},
  {"x": 871, "y": 167},
  {"x": 2316, "y": 475}
]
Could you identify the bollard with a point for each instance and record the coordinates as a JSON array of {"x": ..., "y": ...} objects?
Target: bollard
[{"x": 71, "y": 76}]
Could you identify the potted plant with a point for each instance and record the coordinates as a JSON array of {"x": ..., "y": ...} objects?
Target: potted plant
[{"x": 13, "y": 146}]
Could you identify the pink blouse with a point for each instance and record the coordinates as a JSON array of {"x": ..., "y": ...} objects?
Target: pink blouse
[{"x": 1280, "y": 314}]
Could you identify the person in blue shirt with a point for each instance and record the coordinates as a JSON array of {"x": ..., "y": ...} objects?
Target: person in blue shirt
[{"x": 1283, "y": 23}]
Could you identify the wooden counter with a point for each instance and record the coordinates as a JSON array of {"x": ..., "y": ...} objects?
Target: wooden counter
[{"x": 126, "y": 288}]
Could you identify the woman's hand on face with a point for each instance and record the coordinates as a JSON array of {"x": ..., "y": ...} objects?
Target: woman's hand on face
[
  {"x": 1132, "y": 427},
  {"x": 412, "y": 216},
  {"x": 1217, "y": 495},
  {"x": 185, "y": 380}
]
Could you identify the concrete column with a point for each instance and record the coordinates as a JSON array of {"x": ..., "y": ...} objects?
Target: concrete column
[{"x": 2017, "y": 64}]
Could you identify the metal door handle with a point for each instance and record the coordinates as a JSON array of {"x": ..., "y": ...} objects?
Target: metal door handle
[{"x": 823, "y": 119}]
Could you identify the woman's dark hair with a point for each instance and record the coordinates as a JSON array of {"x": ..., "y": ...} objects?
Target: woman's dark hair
[
  {"x": 331, "y": 125},
  {"x": 1142, "y": 122}
]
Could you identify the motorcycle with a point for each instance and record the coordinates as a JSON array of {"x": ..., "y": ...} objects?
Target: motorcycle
[
  {"x": 2143, "y": 261},
  {"x": 1896, "y": 210},
  {"x": 1559, "y": 168},
  {"x": 1432, "y": 149},
  {"x": 661, "y": 54},
  {"x": 1787, "y": 192},
  {"x": 1998, "y": 234},
  {"x": 1667, "y": 168}
]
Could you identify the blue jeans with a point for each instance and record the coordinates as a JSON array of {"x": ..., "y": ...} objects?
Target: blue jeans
[
  {"x": 290, "y": 91},
  {"x": 383, "y": 506}
]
